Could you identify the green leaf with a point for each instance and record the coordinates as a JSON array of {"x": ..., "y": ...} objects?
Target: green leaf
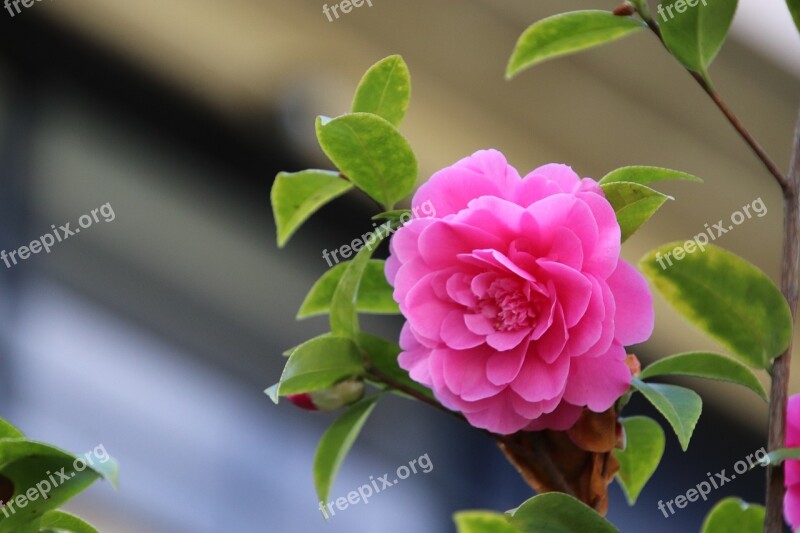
[
  {"x": 336, "y": 443},
  {"x": 374, "y": 292},
  {"x": 295, "y": 197},
  {"x": 644, "y": 446},
  {"x": 61, "y": 522},
  {"x": 556, "y": 512},
  {"x": 706, "y": 365},
  {"x": 733, "y": 514},
  {"x": 725, "y": 296},
  {"x": 371, "y": 153},
  {"x": 695, "y": 35},
  {"x": 37, "y": 470},
  {"x": 680, "y": 406},
  {"x": 644, "y": 175},
  {"x": 565, "y": 34},
  {"x": 482, "y": 522},
  {"x": 385, "y": 90},
  {"x": 343, "y": 308},
  {"x": 794, "y": 9},
  {"x": 318, "y": 364},
  {"x": 8, "y": 431},
  {"x": 382, "y": 355},
  {"x": 634, "y": 204},
  {"x": 776, "y": 457}
]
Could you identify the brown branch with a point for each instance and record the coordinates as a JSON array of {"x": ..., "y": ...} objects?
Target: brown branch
[{"x": 779, "y": 394}]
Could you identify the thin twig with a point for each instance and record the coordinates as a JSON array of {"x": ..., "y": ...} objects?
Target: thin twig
[
  {"x": 729, "y": 114},
  {"x": 381, "y": 377}
]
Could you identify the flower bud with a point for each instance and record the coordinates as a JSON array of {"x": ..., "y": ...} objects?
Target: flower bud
[{"x": 330, "y": 399}]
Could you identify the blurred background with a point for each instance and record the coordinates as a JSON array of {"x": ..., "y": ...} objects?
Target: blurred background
[{"x": 156, "y": 332}]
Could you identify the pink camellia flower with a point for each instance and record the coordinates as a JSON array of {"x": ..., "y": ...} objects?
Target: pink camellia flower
[
  {"x": 791, "y": 502},
  {"x": 518, "y": 305}
]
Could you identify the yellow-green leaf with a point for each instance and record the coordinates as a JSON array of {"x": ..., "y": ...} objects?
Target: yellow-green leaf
[
  {"x": 385, "y": 90},
  {"x": 297, "y": 196},
  {"x": 371, "y": 153},
  {"x": 725, "y": 296},
  {"x": 644, "y": 447}
]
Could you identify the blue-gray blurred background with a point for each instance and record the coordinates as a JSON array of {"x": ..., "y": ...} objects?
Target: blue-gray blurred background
[{"x": 155, "y": 333}]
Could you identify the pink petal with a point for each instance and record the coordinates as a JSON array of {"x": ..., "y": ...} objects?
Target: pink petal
[
  {"x": 485, "y": 173},
  {"x": 390, "y": 269},
  {"x": 407, "y": 277},
  {"x": 455, "y": 333},
  {"x": 566, "y": 249},
  {"x": 539, "y": 381},
  {"x": 499, "y": 417},
  {"x": 494, "y": 215},
  {"x": 597, "y": 382},
  {"x": 503, "y": 367},
  {"x": 793, "y": 422},
  {"x": 442, "y": 241},
  {"x": 791, "y": 506},
  {"x": 607, "y": 331},
  {"x": 500, "y": 261},
  {"x": 605, "y": 253},
  {"x": 551, "y": 345},
  {"x": 573, "y": 290},
  {"x": 460, "y": 290},
  {"x": 465, "y": 374},
  {"x": 479, "y": 324},
  {"x": 415, "y": 356},
  {"x": 561, "y": 419},
  {"x": 424, "y": 310},
  {"x": 533, "y": 410},
  {"x": 792, "y": 468},
  {"x": 634, "y": 318},
  {"x": 546, "y": 181},
  {"x": 589, "y": 330},
  {"x": 404, "y": 242},
  {"x": 506, "y": 340},
  {"x": 566, "y": 211}
]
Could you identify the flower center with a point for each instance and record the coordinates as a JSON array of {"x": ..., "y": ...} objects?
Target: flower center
[{"x": 508, "y": 304}]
